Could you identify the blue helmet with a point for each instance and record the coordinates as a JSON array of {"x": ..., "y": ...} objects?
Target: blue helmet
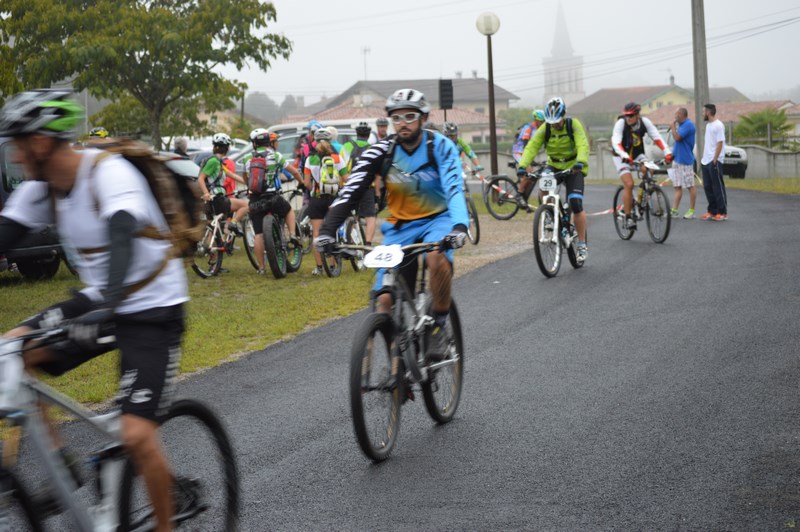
[
  {"x": 538, "y": 115},
  {"x": 555, "y": 110},
  {"x": 314, "y": 125}
]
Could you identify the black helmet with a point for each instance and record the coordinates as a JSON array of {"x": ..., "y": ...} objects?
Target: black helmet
[
  {"x": 46, "y": 111},
  {"x": 363, "y": 129},
  {"x": 450, "y": 129},
  {"x": 632, "y": 108}
]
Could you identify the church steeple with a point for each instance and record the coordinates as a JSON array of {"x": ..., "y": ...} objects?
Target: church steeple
[
  {"x": 563, "y": 70},
  {"x": 562, "y": 46}
]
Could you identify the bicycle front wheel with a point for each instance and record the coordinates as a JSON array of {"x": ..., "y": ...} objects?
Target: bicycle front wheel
[
  {"x": 294, "y": 250},
  {"x": 474, "y": 229},
  {"x": 250, "y": 242},
  {"x": 546, "y": 245},
  {"x": 375, "y": 387},
  {"x": 354, "y": 236},
  {"x": 658, "y": 215},
  {"x": 501, "y": 198},
  {"x": 305, "y": 230},
  {"x": 207, "y": 260},
  {"x": 618, "y": 213},
  {"x": 17, "y": 510},
  {"x": 442, "y": 390},
  {"x": 276, "y": 258},
  {"x": 205, "y": 488}
]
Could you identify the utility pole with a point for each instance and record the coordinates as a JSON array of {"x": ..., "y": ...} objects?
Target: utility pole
[
  {"x": 701, "y": 96},
  {"x": 365, "y": 50}
]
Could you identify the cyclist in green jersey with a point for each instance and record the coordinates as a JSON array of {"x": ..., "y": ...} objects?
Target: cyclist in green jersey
[
  {"x": 450, "y": 130},
  {"x": 211, "y": 181},
  {"x": 349, "y": 154}
]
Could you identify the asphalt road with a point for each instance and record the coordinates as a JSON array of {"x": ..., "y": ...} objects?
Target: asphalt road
[{"x": 654, "y": 389}]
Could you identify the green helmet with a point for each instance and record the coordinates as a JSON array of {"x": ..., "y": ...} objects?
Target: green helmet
[
  {"x": 47, "y": 111},
  {"x": 538, "y": 115}
]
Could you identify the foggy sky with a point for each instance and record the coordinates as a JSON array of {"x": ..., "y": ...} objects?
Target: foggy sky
[{"x": 622, "y": 42}]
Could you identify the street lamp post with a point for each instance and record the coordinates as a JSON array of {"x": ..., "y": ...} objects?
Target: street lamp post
[{"x": 488, "y": 24}]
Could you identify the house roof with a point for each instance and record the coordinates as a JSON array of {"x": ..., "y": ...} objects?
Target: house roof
[
  {"x": 344, "y": 111},
  {"x": 464, "y": 90},
  {"x": 726, "y": 111},
  {"x": 613, "y": 100}
]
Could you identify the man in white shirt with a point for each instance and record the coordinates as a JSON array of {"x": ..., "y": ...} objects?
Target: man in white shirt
[
  {"x": 711, "y": 163},
  {"x": 135, "y": 289}
]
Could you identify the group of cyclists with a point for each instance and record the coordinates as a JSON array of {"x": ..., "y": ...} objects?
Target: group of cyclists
[{"x": 416, "y": 173}]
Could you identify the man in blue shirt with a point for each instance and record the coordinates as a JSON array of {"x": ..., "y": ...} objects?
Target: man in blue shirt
[{"x": 683, "y": 131}]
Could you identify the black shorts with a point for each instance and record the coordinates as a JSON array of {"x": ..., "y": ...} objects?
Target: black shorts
[
  {"x": 318, "y": 207},
  {"x": 366, "y": 206},
  {"x": 219, "y": 204},
  {"x": 574, "y": 183},
  {"x": 149, "y": 344},
  {"x": 261, "y": 206}
]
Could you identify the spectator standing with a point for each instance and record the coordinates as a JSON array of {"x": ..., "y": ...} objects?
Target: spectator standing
[
  {"x": 683, "y": 131},
  {"x": 713, "y": 149},
  {"x": 181, "y": 145}
]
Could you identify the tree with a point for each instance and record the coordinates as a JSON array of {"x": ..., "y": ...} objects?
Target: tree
[
  {"x": 515, "y": 116},
  {"x": 263, "y": 107},
  {"x": 9, "y": 82},
  {"x": 160, "y": 52},
  {"x": 767, "y": 124},
  {"x": 289, "y": 105}
]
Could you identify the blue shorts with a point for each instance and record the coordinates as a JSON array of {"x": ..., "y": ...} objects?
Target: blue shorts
[{"x": 424, "y": 230}]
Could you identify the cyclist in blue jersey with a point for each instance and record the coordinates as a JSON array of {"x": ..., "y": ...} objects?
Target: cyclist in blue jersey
[{"x": 421, "y": 173}]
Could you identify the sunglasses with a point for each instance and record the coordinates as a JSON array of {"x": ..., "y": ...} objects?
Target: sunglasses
[{"x": 405, "y": 117}]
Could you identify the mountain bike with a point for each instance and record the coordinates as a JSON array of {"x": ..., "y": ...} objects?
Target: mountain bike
[
  {"x": 553, "y": 227},
  {"x": 474, "y": 229},
  {"x": 388, "y": 359},
  {"x": 502, "y": 196},
  {"x": 351, "y": 233},
  {"x": 211, "y": 249},
  {"x": 649, "y": 203},
  {"x": 283, "y": 253},
  {"x": 191, "y": 436}
]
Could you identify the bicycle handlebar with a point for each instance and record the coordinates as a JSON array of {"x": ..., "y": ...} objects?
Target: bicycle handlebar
[{"x": 414, "y": 249}]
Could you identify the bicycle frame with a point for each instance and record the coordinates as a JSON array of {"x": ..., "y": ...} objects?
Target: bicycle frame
[
  {"x": 553, "y": 197},
  {"x": 19, "y": 402}
]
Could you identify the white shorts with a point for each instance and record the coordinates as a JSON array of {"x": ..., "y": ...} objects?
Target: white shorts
[
  {"x": 682, "y": 175},
  {"x": 624, "y": 168}
]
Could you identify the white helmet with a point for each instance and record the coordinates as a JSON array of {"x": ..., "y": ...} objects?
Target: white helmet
[
  {"x": 323, "y": 134},
  {"x": 256, "y": 132},
  {"x": 555, "y": 110},
  {"x": 221, "y": 139},
  {"x": 332, "y": 130},
  {"x": 407, "y": 99}
]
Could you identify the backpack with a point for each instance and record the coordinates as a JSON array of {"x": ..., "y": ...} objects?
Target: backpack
[
  {"x": 178, "y": 197},
  {"x": 257, "y": 179},
  {"x": 328, "y": 177},
  {"x": 355, "y": 153},
  {"x": 389, "y": 158}
]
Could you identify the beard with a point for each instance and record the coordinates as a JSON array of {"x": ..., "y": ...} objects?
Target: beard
[{"x": 411, "y": 139}]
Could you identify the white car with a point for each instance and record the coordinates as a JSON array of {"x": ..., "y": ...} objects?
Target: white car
[{"x": 734, "y": 161}]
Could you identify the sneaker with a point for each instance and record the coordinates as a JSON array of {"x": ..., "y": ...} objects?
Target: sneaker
[
  {"x": 261, "y": 272},
  {"x": 317, "y": 271},
  {"x": 522, "y": 203},
  {"x": 630, "y": 223},
  {"x": 724, "y": 216},
  {"x": 674, "y": 213},
  {"x": 689, "y": 215},
  {"x": 707, "y": 216},
  {"x": 583, "y": 251},
  {"x": 186, "y": 496},
  {"x": 719, "y": 217},
  {"x": 236, "y": 227},
  {"x": 437, "y": 342}
]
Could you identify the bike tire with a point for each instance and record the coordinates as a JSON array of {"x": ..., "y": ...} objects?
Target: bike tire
[
  {"x": 474, "y": 229},
  {"x": 207, "y": 261},
  {"x": 376, "y": 387},
  {"x": 355, "y": 236},
  {"x": 190, "y": 434},
  {"x": 548, "y": 253},
  {"x": 305, "y": 230},
  {"x": 17, "y": 510},
  {"x": 618, "y": 215},
  {"x": 572, "y": 252},
  {"x": 276, "y": 257},
  {"x": 501, "y": 198},
  {"x": 335, "y": 269},
  {"x": 248, "y": 241},
  {"x": 294, "y": 252},
  {"x": 657, "y": 214},
  {"x": 442, "y": 389}
]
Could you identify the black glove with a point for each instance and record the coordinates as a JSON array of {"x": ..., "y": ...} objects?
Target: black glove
[
  {"x": 577, "y": 167},
  {"x": 454, "y": 239},
  {"x": 325, "y": 244},
  {"x": 521, "y": 172}
]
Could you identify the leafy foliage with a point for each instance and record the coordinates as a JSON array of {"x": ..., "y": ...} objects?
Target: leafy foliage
[
  {"x": 163, "y": 53},
  {"x": 762, "y": 125},
  {"x": 514, "y": 117}
]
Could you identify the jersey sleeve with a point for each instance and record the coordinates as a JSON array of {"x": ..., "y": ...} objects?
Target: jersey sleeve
[
  {"x": 467, "y": 148},
  {"x": 616, "y": 138},
  {"x": 581, "y": 142},
  {"x": 449, "y": 165},
  {"x": 532, "y": 148},
  {"x": 212, "y": 167}
]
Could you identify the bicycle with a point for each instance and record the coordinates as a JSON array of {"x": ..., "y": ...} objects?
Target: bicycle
[
  {"x": 553, "y": 227},
  {"x": 191, "y": 434},
  {"x": 474, "y": 229},
  {"x": 388, "y": 354},
  {"x": 304, "y": 223},
  {"x": 351, "y": 233},
  {"x": 211, "y": 249},
  {"x": 284, "y": 254},
  {"x": 649, "y": 203},
  {"x": 502, "y": 196}
]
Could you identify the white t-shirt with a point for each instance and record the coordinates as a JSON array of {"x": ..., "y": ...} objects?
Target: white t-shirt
[
  {"x": 115, "y": 186},
  {"x": 715, "y": 133}
]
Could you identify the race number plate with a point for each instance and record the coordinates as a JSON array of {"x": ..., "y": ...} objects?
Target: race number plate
[
  {"x": 384, "y": 257},
  {"x": 548, "y": 184}
]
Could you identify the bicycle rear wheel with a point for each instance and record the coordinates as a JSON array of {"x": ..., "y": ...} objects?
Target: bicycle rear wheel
[
  {"x": 276, "y": 258},
  {"x": 547, "y": 248},
  {"x": 474, "y": 229},
  {"x": 658, "y": 215},
  {"x": 294, "y": 250},
  {"x": 206, "y": 482},
  {"x": 501, "y": 198},
  {"x": 207, "y": 260},
  {"x": 305, "y": 230},
  {"x": 17, "y": 510},
  {"x": 249, "y": 241},
  {"x": 618, "y": 214},
  {"x": 442, "y": 389},
  {"x": 375, "y": 387},
  {"x": 332, "y": 264},
  {"x": 354, "y": 236}
]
